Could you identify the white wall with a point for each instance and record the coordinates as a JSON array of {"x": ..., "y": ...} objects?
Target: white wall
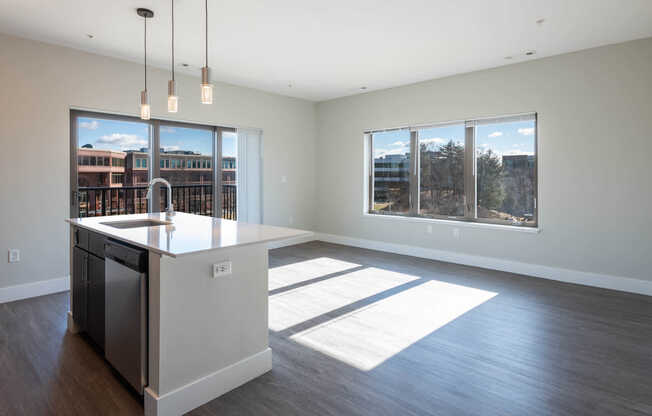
[
  {"x": 595, "y": 133},
  {"x": 39, "y": 83}
]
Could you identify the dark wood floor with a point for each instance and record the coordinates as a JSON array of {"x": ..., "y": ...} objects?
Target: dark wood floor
[{"x": 520, "y": 346}]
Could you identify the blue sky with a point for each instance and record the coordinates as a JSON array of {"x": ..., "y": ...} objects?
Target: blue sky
[
  {"x": 127, "y": 135},
  {"x": 516, "y": 138}
]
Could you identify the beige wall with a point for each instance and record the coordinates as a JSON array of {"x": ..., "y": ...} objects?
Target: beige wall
[
  {"x": 595, "y": 119},
  {"x": 595, "y": 133},
  {"x": 39, "y": 83}
]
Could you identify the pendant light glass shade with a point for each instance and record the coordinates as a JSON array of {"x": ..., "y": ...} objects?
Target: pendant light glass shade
[
  {"x": 206, "y": 87},
  {"x": 145, "y": 112},
  {"x": 173, "y": 100}
]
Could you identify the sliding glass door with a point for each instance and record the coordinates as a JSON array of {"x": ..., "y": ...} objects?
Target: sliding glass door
[
  {"x": 113, "y": 158},
  {"x": 229, "y": 168},
  {"x": 186, "y": 158}
]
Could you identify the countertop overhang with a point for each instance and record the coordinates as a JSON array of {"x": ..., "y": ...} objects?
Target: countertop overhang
[{"x": 186, "y": 233}]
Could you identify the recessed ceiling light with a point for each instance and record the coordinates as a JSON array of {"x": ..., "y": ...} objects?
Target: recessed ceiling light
[
  {"x": 530, "y": 53},
  {"x": 89, "y": 36}
]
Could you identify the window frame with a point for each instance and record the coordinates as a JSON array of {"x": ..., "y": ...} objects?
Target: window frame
[
  {"x": 153, "y": 171},
  {"x": 470, "y": 174}
]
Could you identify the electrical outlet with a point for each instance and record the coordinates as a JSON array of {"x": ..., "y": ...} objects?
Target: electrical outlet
[
  {"x": 429, "y": 229},
  {"x": 221, "y": 269},
  {"x": 14, "y": 255},
  {"x": 284, "y": 179},
  {"x": 456, "y": 233}
]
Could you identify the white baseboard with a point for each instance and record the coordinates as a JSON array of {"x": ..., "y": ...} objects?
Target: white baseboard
[
  {"x": 625, "y": 284},
  {"x": 31, "y": 290},
  {"x": 205, "y": 389},
  {"x": 292, "y": 241}
]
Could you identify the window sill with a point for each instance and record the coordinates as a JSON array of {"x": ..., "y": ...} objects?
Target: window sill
[{"x": 454, "y": 223}]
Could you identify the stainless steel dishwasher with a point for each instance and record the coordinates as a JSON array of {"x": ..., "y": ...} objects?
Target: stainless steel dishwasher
[{"x": 126, "y": 306}]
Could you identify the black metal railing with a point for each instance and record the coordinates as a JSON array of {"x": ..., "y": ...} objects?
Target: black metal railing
[
  {"x": 229, "y": 203},
  {"x": 193, "y": 199}
]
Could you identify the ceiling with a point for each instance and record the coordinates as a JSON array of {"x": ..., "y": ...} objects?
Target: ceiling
[{"x": 323, "y": 50}]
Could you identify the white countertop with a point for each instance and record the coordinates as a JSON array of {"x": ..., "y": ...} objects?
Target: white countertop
[{"x": 188, "y": 233}]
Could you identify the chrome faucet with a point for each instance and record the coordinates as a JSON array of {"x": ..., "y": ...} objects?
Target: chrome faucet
[{"x": 169, "y": 209}]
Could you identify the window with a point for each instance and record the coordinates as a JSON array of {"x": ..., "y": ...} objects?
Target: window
[
  {"x": 477, "y": 170},
  {"x": 391, "y": 186},
  {"x": 441, "y": 171},
  {"x": 229, "y": 185},
  {"x": 111, "y": 172}
]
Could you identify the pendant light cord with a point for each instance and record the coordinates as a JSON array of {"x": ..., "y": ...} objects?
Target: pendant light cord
[
  {"x": 145, "y": 37},
  {"x": 172, "y": 40},
  {"x": 206, "y": 51}
]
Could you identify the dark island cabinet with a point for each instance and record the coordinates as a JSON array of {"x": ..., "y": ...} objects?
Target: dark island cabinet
[{"x": 88, "y": 284}]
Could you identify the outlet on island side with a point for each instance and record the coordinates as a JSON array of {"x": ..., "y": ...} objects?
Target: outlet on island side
[{"x": 221, "y": 269}]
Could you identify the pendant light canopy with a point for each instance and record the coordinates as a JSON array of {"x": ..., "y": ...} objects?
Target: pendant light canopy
[
  {"x": 145, "y": 111},
  {"x": 206, "y": 86},
  {"x": 173, "y": 100}
]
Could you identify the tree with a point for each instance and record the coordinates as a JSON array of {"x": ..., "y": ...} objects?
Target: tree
[
  {"x": 490, "y": 189},
  {"x": 442, "y": 178}
]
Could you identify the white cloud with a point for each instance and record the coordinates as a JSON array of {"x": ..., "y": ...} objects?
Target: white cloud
[
  {"x": 529, "y": 131},
  {"x": 384, "y": 152},
  {"x": 399, "y": 143},
  {"x": 436, "y": 140},
  {"x": 496, "y": 134},
  {"x": 515, "y": 152},
  {"x": 168, "y": 130},
  {"x": 90, "y": 125},
  {"x": 484, "y": 145},
  {"x": 124, "y": 141}
]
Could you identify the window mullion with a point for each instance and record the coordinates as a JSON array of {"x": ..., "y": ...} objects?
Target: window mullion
[
  {"x": 414, "y": 173},
  {"x": 371, "y": 207},
  {"x": 470, "y": 205},
  {"x": 217, "y": 173},
  {"x": 154, "y": 169}
]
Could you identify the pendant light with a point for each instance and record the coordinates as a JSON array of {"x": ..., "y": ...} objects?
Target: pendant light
[
  {"x": 206, "y": 86},
  {"x": 173, "y": 100},
  {"x": 145, "y": 111}
]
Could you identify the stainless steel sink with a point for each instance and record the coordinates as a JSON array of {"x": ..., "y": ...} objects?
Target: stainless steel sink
[{"x": 135, "y": 223}]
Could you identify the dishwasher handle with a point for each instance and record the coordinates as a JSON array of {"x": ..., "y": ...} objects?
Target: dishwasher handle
[{"x": 129, "y": 256}]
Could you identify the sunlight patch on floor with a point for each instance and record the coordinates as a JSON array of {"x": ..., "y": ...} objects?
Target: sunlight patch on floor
[
  {"x": 369, "y": 336},
  {"x": 298, "y": 305},
  {"x": 302, "y": 271}
]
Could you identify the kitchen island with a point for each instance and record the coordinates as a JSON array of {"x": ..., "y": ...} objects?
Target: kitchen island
[{"x": 206, "y": 314}]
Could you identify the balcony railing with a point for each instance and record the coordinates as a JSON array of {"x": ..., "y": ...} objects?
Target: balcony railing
[{"x": 193, "y": 199}]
